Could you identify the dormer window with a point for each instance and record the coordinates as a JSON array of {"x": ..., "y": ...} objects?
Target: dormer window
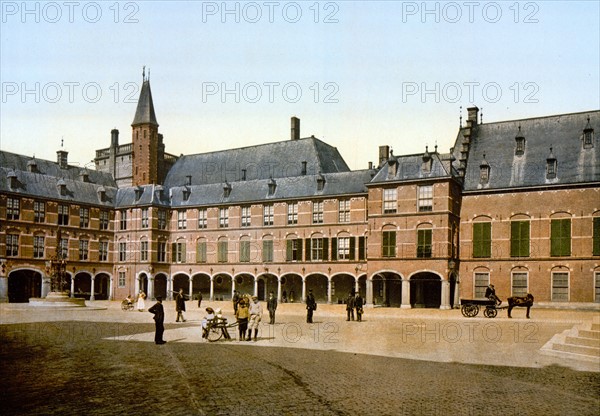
[
  {"x": 272, "y": 185},
  {"x": 520, "y": 141},
  {"x": 551, "y": 166},
  {"x": 427, "y": 161},
  {"x": 187, "y": 192},
  {"x": 101, "y": 194},
  {"x": 226, "y": 190},
  {"x": 12, "y": 179},
  {"x": 588, "y": 136},
  {"x": 484, "y": 171},
  {"x": 62, "y": 187},
  {"x": 138, "y": 193},
  {"x": 32, "y": 166},
  {"x": 320, "y": 182}
]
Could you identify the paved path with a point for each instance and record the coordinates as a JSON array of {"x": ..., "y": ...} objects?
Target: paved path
[{"x": 417, "y": 362}]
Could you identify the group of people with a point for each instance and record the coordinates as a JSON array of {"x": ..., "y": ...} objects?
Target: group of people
[{"x": 354, "y": 302}]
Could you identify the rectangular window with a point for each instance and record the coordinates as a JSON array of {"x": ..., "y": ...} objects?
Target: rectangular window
[
  {"x": 244, "y": 251},
  {"x": 316, "y": 249},
  {"x": 344, "y": 210},
  {"x": 596, "y": 238},
  {"x": 178, "y": 251},
  {"x": 161, "y": 254},
  {"x": 222, "y": 251},
  {"x": 122, "y": 280},
  {"x": 362, "y": 248},
  {"x": 39, "y": 211},
  {"x": 267, "y": 252},
  {"x": 145, "y": 221},
  {"x": 38, "y": 247},
  {"x": 63, "y": 215},
  {"x": 390, "y": 201},
  {"x": 482, "y": 239},
  {"x": 181, "y": 220},
  {"x": 122, "y": 251},
  {"x": 12, "y": 245},
  {"x": 123, "y": 222},
  {"x": 343, "y": 248},
  {"x": 103, "y": 251},
  {"x": 519, "y": 239},
  {"x": 246, "y": 217},
  {"x": 560, "y": 237},
  {"x": 293, "y": 251},
  {"x": 64, "y": 248},
  {"x": 424, "y": 243},
  {"x": 83, "y": 249},
  {"x": 202, "y": 218},
  {"x": 560, "y": 287},
  {"x": 268, "y": 214},
  {"x": 13, "y": 208},
  {"x": 292, "y": 213},
  {"x": 84, "y": 217},
  {"x": 318, "y": 212},
  {"x": 144, "y": 251},
  {"x": 223, "y": 217},
  {"x": 104, "y": 220},
  {"x": 482, "y": 280},
  {"x": 519, "y": 284},
  {"x": 425, "y": 198},
  {"x": 597, "y": 287},
  {"x": 201, "y": 252},
  {"x": 388, "y": 245},
  {"x": 162, "y": 219}
]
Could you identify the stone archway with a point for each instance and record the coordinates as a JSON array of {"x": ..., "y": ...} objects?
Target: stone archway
[
  {"x": 342, "y": 285},
  {"x": 319, "y": 284},
  {"x": 291, "y": 288},
  {"x": 24, "y": 284},
  {"x": 201, "y": 284},
  {"x": 160, "y": 285},
  {"x": 181, "y": 281},
  {"x": 142, "y": 283},
  {"x": 387, "y": 289},
  {"x": 102, "y": 286},
  {"x": 83, "y": 286},
  {"x": 222, "y": 287},
  {"x": 244, "y": 283},
  {"x": 425, "y": 290},
  {"x": 267, "y": 283}
]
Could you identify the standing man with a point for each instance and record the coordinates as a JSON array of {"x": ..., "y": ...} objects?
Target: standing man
[
  {"x": 235, "y": 300},
  {"x": 358, "y": 304},
  {"x": 311, "y": 305},
  {"x": 180, "y": 305},
  {"x": 350, "y": 307},
  {"x": 159, "y": 319},
  {"x": 255, "y": 312},
  {"x": 271, "y": 306},
  {"x": 199, "y": 297}
]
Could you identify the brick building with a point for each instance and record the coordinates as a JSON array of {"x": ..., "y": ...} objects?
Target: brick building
[{"x": 514, "y": 203}]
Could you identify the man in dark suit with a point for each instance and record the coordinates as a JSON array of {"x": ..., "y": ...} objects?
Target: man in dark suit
[
  {"x": 159, "y": 319},
  {"x": 180, "y": 305},
  {"x": 350, "y": 307},
  {"x": 271, "y": 307},
  {"x": 311, "y": 305},
  {"x": 358, "y": 304}
]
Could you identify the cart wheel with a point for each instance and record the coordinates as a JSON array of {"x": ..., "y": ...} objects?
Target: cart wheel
[
  {"x": 470, "y": 310},
  {"x": 465, "y": 310},
  {"x": 124, "y": 305},
  {"x": 490, "y": 312},
  {"x": 214, "y": 334}
]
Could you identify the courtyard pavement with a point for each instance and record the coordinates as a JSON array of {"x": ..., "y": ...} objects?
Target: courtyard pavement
[{"x": 101, "y": 360}]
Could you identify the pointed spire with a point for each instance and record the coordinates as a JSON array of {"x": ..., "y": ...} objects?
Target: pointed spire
[{"x": 144, "y": 114}]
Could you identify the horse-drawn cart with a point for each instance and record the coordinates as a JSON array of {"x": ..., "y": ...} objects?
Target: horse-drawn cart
[{"x": 470, "y": 307}]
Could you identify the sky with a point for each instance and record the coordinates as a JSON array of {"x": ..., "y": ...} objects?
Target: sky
[{"x": 231, "y": 74}]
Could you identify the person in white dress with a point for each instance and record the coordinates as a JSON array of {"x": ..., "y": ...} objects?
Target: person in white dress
[{"x": 141, "y": 304}]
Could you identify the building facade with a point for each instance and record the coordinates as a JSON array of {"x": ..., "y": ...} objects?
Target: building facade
[{"x": 514, "y": 203}]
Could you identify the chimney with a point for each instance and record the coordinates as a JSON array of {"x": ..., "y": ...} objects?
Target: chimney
[
  {"x": 62, "y": 160},
  {"x": 384, "y": 154},
  {"x": 295, "y": 128},
  {"x": 114, "y": 138},
  {"x": 472, "y": 112},
  {"x": 243, "y": 174},
  {"x": 370, "y": 165},
  {"x": 188, "y": 180}
]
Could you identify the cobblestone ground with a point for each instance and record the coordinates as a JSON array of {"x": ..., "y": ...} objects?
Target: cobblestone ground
[{"x": 100, "y": 368}]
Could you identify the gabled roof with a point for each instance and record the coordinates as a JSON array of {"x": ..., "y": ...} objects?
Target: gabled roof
[
  {"x": 576, "y": 163},
  {"x": 47, "y": 168},
  {"x": 414, "y": 167},
  {"x": 144, "y": 114},
  {"x": 276, "y": 160}
]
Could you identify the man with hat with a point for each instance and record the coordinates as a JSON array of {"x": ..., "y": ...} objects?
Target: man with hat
[
  {"x": 159, "y": 319},
  {"x": 255, "y": 312},
  {"x": 490, "y": 293},
  {"x": 311, "y": 305}
]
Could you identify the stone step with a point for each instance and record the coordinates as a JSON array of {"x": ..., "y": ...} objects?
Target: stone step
[
  {"x": 577, "y": 349},
  {"x": 586, "y": 333},
  {"x": 586, "y": 342}
]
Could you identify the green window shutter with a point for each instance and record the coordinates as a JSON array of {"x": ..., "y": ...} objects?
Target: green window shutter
[
  {"x": 334, "y": 249},
  {"x": 307, "y": 249},
  {"x": 201, "y": 255},
  {"x": 361, "y": 248},
  {"x": 596, "y": 231},
  {"x": 183, "y": 253},
  {"x": 325, "y": 249},
  {"x": 288, "y": 250},
  {"x": 198, "y": 252},
  {"x": 299, "y": 245},
  {"x": 554, "y": 238},
  {"x": 174, "y": 252},
  {"x": 566, "y": 237},
  {"x": 352, "y": 248},
  {"x": 519, "y": 238},
  {"x": 244, "y": 251},
  {"x": 482, "y": 239},
  {"x": 385, "y": 243},
  {"x": 560, "y": 237}
]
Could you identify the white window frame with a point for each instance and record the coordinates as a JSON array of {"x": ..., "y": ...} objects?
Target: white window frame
[
  {"x": 553, "y": 287},
  {"x": 512, "y": 284},
  {"x": 479, "y": 289}
]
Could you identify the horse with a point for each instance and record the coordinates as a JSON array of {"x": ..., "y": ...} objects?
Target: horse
[{"x": 523, "y": 301}]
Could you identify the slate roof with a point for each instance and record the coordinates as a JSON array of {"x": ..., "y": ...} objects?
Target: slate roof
[
  {"x": 564, "y": 133},
  {"x": 276, "y": 160},
  {"x": 144, "y": 114},
  {"x": 342, "y": 183},
  {"x": 413, "y": 167},
  {"x": 48, "y": 168},
  {"x": 142, "y": 195}
]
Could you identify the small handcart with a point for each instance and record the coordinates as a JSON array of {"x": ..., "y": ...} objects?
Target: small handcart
[{"x": 470, "y": 307}]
